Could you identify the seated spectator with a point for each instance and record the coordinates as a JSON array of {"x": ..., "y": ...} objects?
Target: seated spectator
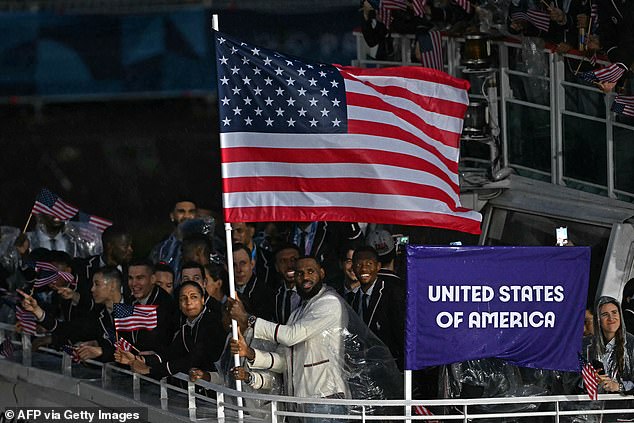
[{"x": 197, "y": 344}]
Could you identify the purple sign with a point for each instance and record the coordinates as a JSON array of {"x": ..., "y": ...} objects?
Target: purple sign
[{"x": 524, "y": 305}]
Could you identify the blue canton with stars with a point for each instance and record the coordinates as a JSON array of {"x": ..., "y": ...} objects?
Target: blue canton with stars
[{"x": 261, "y": 90}]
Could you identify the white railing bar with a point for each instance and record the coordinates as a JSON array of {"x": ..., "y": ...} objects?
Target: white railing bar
[
  {"x": 528, "y": 104},
  {"x": 590, "y": 184},
  {"x": 582, "y": 116},
  {"x": 526, "y": 75},
  {"x": 622, "y": 125},
  {"x": 581, "y": 86},
  {"x": 519, "y": 166}
]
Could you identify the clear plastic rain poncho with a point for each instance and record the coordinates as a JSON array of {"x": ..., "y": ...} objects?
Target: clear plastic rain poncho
[{"x": 326, "y": 350}]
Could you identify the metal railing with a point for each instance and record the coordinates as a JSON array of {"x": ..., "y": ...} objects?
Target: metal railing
[
  {"x": 597, "y": 132},
  {"x": 207, "y": 401}
]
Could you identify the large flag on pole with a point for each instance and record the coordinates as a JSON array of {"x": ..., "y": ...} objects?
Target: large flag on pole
[{"x": 304, "y": 141}]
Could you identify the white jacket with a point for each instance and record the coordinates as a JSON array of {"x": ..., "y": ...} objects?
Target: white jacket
[{"x": 311, "y": 347}]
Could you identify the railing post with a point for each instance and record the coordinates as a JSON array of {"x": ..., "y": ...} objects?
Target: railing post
[
  {"x": 164, "y": 394},
  {"x": 106, "y": 375},
  {"x": 609, "y": 137},
  {"x": 136, "y": 386},
  {"x": 191, "y": 400},
  {"x": 220, "y": 406},
  {"x": 67, "y": 365},
  {"x": 505, "y": 92},
  {"x": 557, "y": 411},
  {"x": 558, "y": 93},
  {"x": 465, "y": 417},
  {"x": 26, "y": 350},
  {"x": 273, "y": 411}
]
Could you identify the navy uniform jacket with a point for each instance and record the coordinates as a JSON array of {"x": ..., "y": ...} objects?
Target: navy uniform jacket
[{"x": 386, "y": 316}]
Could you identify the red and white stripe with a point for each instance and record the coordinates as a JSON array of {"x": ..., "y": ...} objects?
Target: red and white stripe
[
  {"x": 465, "y": 4},
  {"x": 60, "y": 209},
  {"x": 27, "y": 320},
  {"x": 398, "y": 163},
  {"x": 419, "y": 7},
  {"x": 590, "y": 381},
  {"x": 100, "y": 223},
  {"x": 384, "y": 13},
  {"x": 433, "y": 58},
  {"x": 123, "y": 345},
  {"x": 611, "y": 73}
]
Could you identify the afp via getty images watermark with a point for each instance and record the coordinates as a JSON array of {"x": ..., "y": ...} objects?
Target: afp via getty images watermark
[{"x": 73, "y": 415}]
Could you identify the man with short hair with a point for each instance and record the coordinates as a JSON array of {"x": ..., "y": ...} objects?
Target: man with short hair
[
  {"x": 117, "y": 252},
  {"x": 164, "y": 277},
  {"x": 169, "y": 250},
  {"x": 286, "y": 297},
  {"x": 197, "y": 248},
  {"x": 311, "y": 347},
  {"x": 144, "y": 291},
  {"x": 194, "y": 272},
  {"x": 243, "y": 233},
  {"x": 96, "y": 329},
  {"x": 255, "y": 294},
  {"x": 350, "y": 282},
  {"x": 381, "y": 305},
  {"x": 383, "y": 242}
]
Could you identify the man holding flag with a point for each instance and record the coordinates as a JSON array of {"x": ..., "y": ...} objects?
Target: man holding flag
[
  {"x": 306, "y": 142},
  {"x": 95, "y": 331}
]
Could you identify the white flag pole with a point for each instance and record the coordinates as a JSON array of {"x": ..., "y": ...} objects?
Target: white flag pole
[{"x": 232, "y": 283}]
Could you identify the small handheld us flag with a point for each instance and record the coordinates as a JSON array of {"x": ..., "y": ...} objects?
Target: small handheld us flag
[
  {"x": 72, "y": 352},
  {"x": 610, "y": 73},
  {"x": 123, "y": 345},
  {"x": 590, "y": 378},
  {"x": 623, "y": 105},
  {"x": 129, "y": 318},
  {"x": 6, "y": 348},
  {"x": 51, "y": 204}
]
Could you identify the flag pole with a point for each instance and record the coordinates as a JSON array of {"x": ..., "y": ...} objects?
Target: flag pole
[
  {"x": 27, "y": 222},
  {"x": 232, "y": 283}
]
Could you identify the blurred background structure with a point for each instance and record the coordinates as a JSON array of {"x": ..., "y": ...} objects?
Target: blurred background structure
[{"x": 111, "y": 104}]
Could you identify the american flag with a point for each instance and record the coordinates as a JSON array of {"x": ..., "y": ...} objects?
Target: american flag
[
  {"x": 419, "y": 7},
  {"x": 52, "y": 205},
  {"x": 96, "y": 221},
  {"x": 47, "y": 274},
  {"x": 590, "y": 382},
  {"x": 128, "y": 318},
  {"x": 465, "y": 4},
  {"x": 594, "y": 18},
  {"x": 537, "y": 18},
  {"x": 610, "y": 73},
  {"x": 123, "y": 345},
  {"x": 26, "y": 319},
  {"x": 430, "y": 44},
  {"x": 306, "y": 141},
  {"x": 624, "y": 105},
  {"x": 424, "y": 411},
  {"x": 6, "y": 348},
  {"x": 72, "y": 352},
  {"x": 385, "y": 10}
]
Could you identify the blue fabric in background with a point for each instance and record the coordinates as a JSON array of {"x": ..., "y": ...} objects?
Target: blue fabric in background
[
  {"x": 48, "y": 54},
  {"x": 432, "y": 271}
]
